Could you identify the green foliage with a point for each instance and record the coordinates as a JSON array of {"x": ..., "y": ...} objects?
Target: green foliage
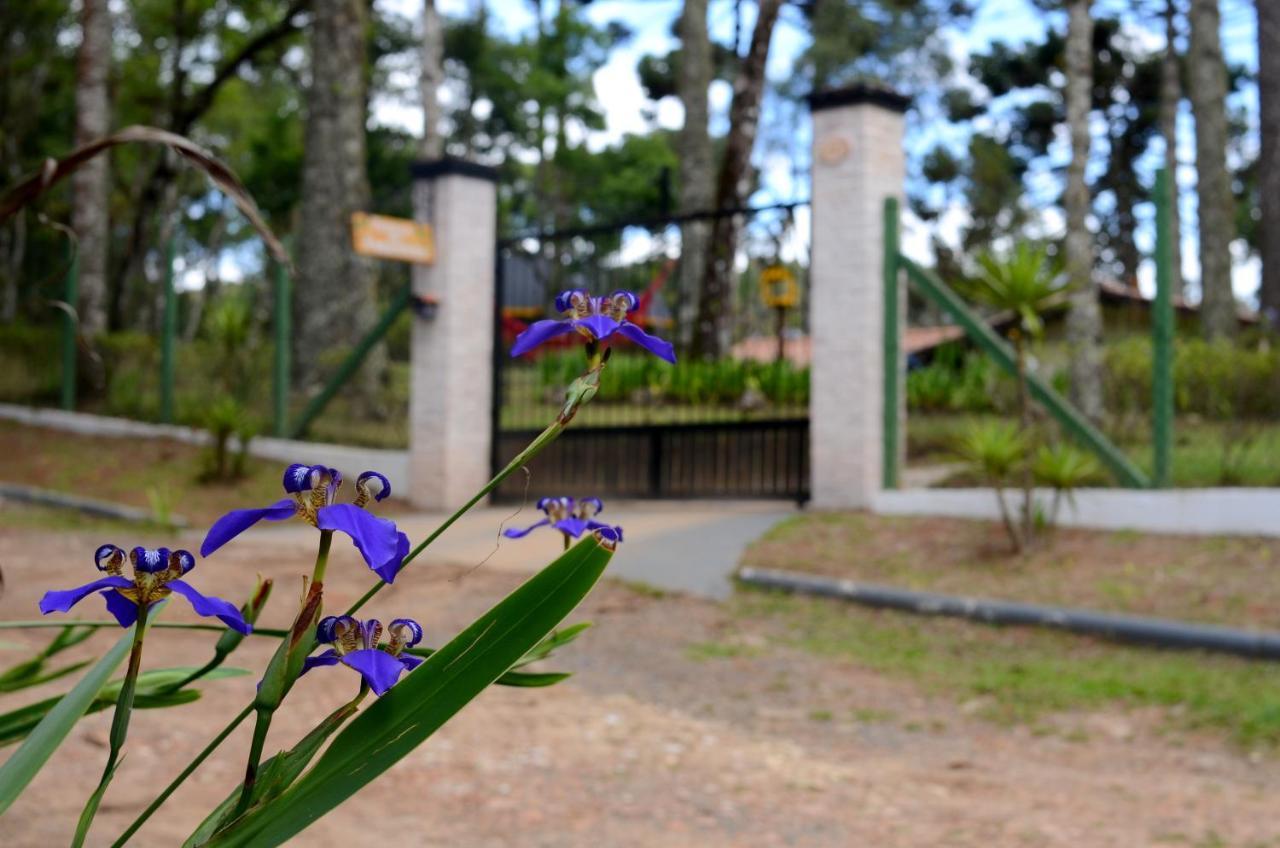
[
  {"x": 1025, "y": 282},
  {"x": 1064, "y": 468},
  {"x": 45, "y": 738},
  {"x": 1218, "y": 380},
  {"x": 156, "y": 690},
  {"x": 637, "y": 378},
  {"x": 956, "y": 381},
  {"x": 420, "y": 703},
  {"x": 995, "y": 449},
  {"x": 31, "y": 672}
]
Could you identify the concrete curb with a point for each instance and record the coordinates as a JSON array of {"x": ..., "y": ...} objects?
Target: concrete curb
[
  {"x": 89, "y": 506},
  {"x": 1158, "y": 632},
  {"x": 393, "y": 463}
]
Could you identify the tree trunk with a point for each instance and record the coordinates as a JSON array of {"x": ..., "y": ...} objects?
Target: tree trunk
[
  {"x": 336, "y": 302},
  {"x": 1208, "y": 91},
  {"x": 732, "y": 186},
  {"x": 1269, "y": 157},
  {"x": 695, "y": 153},
  {"x": 1084, "y": 321},
  {"x": 91, "y": 184},
  {"x": 1170, "y": 97}
]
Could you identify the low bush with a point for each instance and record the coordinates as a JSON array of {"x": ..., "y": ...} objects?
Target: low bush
[{"x": 724, "y": 382}]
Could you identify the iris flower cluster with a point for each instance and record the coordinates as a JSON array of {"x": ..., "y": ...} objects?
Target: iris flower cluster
[
  {"x": 355, "y": 644},
  {"x": 597, "y": 318},
  {"x": 157, "y": 573},
  {"x": 571, "y": 517},
  {"x": 313, "y": 490}
]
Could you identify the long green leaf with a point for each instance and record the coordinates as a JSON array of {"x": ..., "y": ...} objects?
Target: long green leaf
[
  {"x": 428, "y": 697},
  {"x": 154, "y": 692},
  {"x": 19, "y": 769},
  {"x": 276, "y": 774}
]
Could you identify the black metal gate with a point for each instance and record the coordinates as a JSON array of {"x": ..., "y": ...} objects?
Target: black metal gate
[{"x": 734, "y": 427}]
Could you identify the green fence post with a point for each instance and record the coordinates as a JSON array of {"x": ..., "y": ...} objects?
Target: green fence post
[
  {"x": 349, "y": 365},
  {"x": 69, "y": 321},
  {"x": 1162, "y": 339},
  {"x": 168, "y": 330},
  {"x": 892, "y": 346},
  {"x": 1073, "y": 423},
  {"x": 280, "y": 384}
]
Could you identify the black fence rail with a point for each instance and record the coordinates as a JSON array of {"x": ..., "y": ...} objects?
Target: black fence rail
[{"x": 756, "y": 459}]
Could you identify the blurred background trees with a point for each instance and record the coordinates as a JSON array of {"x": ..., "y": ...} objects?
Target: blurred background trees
[{"x": 1050, "y": 131}]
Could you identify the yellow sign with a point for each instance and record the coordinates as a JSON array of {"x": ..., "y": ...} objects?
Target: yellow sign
[
  {"x": 778, "y": 287},
  {"x": 393, "y": 238}
]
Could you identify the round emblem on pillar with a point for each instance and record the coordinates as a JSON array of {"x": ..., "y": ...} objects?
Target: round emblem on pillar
[{"x": 832, "y": 150}]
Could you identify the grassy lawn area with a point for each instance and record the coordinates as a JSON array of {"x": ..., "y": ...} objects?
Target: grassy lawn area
[
  {"x": 1025, "y": 674},
  {"x": 134, "y": 472},
  {"x": 1200, "y": 454},
  {"x": 1219, "y": 579},
  {"x": 1036, "y": 677}
]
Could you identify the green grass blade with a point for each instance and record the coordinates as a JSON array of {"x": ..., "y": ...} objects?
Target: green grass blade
[
  {"x": 21, "y": 768},
  {"x": 426, "y": 698}
]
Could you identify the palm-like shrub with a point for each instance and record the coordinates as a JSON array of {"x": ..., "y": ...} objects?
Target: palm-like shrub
[{"x": 1025, "y": 283}]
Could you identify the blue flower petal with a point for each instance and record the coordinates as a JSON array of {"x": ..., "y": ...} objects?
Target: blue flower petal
[
  {"x": 599, "y": 525},
  {"x": 517, "y": 533},
  {"x": 121, "y": 608},
  {"x": 539, "y": 332},
  {"x": 329, "y": 657},
  {"x": 237, "y": 521},
  {"x": 65, "y": 600},
  {"x": 661, "y": 348},
  {"x": 379, "y": 668},
  {"x": 409, "y": 661},
  {"x": 600, "y": 326},
  {"x": 227, "y": 612},
  {"x": 379, "y": 542},
  {"x": 572, "y": 526}
]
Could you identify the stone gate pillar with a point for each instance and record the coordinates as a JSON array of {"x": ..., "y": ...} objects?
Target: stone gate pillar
[
  {"x": 450, "y": 383},
  {"x": 857, "y": 162}
]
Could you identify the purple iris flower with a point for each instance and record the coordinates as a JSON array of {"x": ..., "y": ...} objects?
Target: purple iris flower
[
  {"x": 355, "y": 644},
  {"x": 571, "y": 517},
  {"x": 597, "y": 318},
  {"x": 156, "y": 575},
  {"x": 313, "y": 489}
]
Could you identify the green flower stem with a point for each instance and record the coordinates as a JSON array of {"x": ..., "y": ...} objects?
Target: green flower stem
[
  {"x": 267, "y": 706},
  {"x": 535, "y": 447},
  {"x": 182, "y": 776},
  {"x": 119, "y": 730},
  {"x": 567, "y": 540},
  {"x": 322, "y": 556},
  {"x": 260, "y": 728}
]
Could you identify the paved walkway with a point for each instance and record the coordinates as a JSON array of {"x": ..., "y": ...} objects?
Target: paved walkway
[{"x": 681, "y": 546}]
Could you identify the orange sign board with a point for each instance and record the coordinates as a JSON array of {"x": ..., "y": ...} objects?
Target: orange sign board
[
  {"x": 393, "y": 238},
  {"x": 778, "y": 287}
]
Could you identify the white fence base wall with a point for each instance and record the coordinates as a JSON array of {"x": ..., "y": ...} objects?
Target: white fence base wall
[
  {"x": 1242, "y": 512},
  {"x": 348, "y": 459}
]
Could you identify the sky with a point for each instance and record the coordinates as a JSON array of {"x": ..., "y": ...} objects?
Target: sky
[{"x": 651, "y": 22}]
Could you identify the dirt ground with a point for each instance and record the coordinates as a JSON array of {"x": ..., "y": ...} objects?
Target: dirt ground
[{"x": 649, "y": 744}]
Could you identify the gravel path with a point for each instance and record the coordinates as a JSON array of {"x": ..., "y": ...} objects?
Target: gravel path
[{"x": 653, "y": 742}]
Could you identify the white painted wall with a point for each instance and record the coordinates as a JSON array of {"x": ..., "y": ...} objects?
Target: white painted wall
[{"x": 1244, "y": 512}]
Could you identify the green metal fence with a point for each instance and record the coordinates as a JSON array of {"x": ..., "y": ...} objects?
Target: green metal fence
[
  {"x": 281, "y": 362},
  {"x": 1074, "y": 423}
]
